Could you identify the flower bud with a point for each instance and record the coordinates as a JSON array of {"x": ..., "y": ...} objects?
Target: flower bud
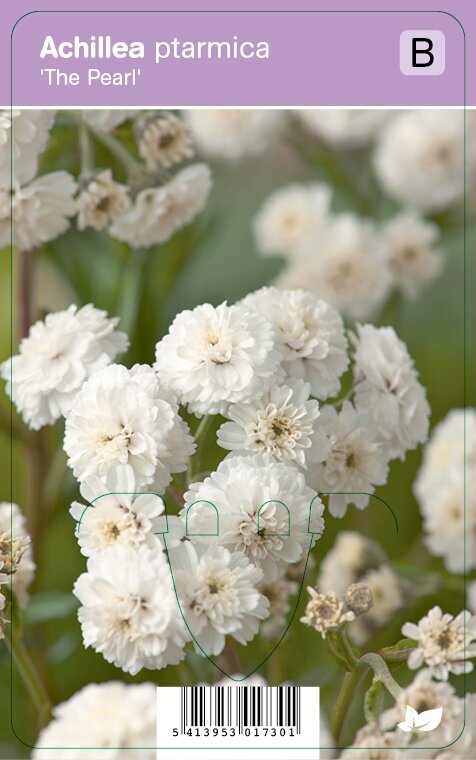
[{"x": 359, "y": 598}]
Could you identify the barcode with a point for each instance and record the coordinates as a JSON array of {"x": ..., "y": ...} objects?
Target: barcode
[{"x": 241, "y": 707}]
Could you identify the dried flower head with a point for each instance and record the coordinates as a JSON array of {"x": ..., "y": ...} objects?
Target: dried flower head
[
  {"x": 163, "y": 139},
  {"x": 12, "y": 551},
  {"x": 359, "y": 598},
  {"x": 324, "y": 612},
  {"x": 100, "y": 200}
]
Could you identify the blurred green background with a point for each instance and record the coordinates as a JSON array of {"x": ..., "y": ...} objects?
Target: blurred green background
[{"x": 215, "y": 260}]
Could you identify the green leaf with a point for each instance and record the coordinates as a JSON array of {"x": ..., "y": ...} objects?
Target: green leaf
[
  {"x": 51, "y": 605},
  {"x": 373, "y": 701},
  {"x": 63, "y": 648}
]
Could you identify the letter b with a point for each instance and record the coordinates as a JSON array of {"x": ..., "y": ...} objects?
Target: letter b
[
  {"x": 421, "y": 48},
  {"x": 422, "y": 52}
]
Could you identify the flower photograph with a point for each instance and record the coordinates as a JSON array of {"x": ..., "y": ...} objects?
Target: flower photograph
[{"x": 237, "y": 422}]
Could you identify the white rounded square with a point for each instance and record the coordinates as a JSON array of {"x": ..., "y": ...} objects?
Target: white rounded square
[{"x": 422, "y": 52}]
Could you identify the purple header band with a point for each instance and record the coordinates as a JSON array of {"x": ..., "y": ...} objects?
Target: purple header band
[{"x": 329, "y": 58}]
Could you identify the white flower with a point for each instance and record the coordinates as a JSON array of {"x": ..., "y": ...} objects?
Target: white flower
[
  {"x": 213, "y": 356},
  {"x": 445, "y": 488},
  {"x": 356, "y": 462},
  {"x": 116, "y": 514},
  {"x": 163, "y": 139},
  {"x": 278, "y": 594},
  {"x": 414, "y": 262},
  {"x": 326, "y": 740},
  {"x": 284, "y": 423},
  {"x": 372, "y": 743},
  {"x": 420, "y": 158},
  {"x": 351, "y": 555},
  {"x": 444, "y": 643},
  {"x": 452, "y": 446},
  {"x": 218, "y": 595},
  {"x": 233, "y": 134},
  {"x": 289, "y": 216},
  {"x": 425, "y": 694},
  {"x": 23, "y": 136},
  {"x": 106, "y": 120},
  {"x": 123, "y": 416},
  {"x": 449, "y": 518},
  {"x": 263, "y": 511},
  {"x": 13, "y": 531},
  {"x": 100, "y": 200},
  {"x": 158, "y": 212},
  {"x": 39, "y": 211},
  {"x": 311, "y": 336},
  {"x": 387, "y": 389},
  {"x": 129, "y": 610},
  {"x": 347, "y": 265},
  {"x": 472, "y": 596},
  {"x": 344, "y": 127},
  {"x": 324, "y": 612},
  {"x": 117, "y": 717},
  {"x": 56, "y": 358}
]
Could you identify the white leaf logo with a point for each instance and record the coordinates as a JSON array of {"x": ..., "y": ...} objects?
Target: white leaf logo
[{"x": 425, "y": 721}]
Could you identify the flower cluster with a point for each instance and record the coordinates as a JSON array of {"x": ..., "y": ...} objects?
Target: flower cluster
[
  {"x": 146, "y": 211},
  {"x": 269, "y": 365},
  {"x": 356, "y": 263},
  {"x": 356, "y": 561},
  {"x": 352, "y": 263},
  {"x": 446, "y": 490},
  {"x": 35, "y": 209},
  {"x": 58, "y": 355},
  {"x": 233, "y": 134},
  {"x": 420, "y": 158},
  {"x": 207, "y": 473},
  {"x": 120, "y": 718},
  {"x": 325, "y": 613}
]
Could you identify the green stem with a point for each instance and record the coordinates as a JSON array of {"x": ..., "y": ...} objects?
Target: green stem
[
  {"x": 230, "y": 659},
  {"x": 398, "y": 652},
  {"x": 275, "y": 668},
  {"x": 336, "y": 650},
  {"x": 345, "y": 647},
  {"x": 325, "y": 159},
  {"x": 382, "y": 673},
  {"x": 29, "y": 675},
  {"x": 350, "y": 685},
  {"x": 203, "y": 427},
  {"x": 13, "y": 428},
  {"x": 36, "y": 458},
  {"x": 176, "y": 494},
  {"x": 132, "y": 167},
  {"x": 131, "y": 289},
  {"x": 86, "y": 148},
  {"x": 200, "y": 436},
  {"x": 34, "y": 452},
  {"x": 26, "y": 261}
]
